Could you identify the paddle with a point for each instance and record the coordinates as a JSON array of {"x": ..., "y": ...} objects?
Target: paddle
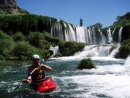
[{"x": 21, "y": 81}]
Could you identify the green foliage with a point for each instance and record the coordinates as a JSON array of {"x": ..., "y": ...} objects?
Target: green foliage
[
  {"x": 35, "y": 43},
  {"x": 81, "y": 22},
  {"x": 122, "y": 21},
  {"x": 19, "y": 36},
  {"x": 4, "y": 36},
  {"x": 37, "y": 39},
  {"x": 2, "y": 57},
  {"x": 6, "y": 47},
  {"x": 69, "y": 48},
  {"x": 124, "y": 50},
  {"x": 58, "y": 55},
  {"x": 25, "y": 23},
  {"x": 6, "y": 43},
  {"x": 26, "y": 34},
  {"x": 23, "y": 50},
  {"x": 86, "y": 64},
  {"x": 51, "y": 39}
]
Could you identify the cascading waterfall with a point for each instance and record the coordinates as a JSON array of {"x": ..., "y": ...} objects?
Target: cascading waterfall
[
  {"x": 103, "y": 39},
  {"x": 56, "y": 29},
  {"x": 115, "y": 50},
  {"x": 89, "y": 35},
  {"x": 94, "y": 36},
  {"x": 99, "y": 51},
  {"x": 54, "y": 49},
  {"x": 80, "y": 34},
  {"x": 119, "y": 35},
  {"x": 72, "y": 34},
  {"x": 109, "y": 36}
]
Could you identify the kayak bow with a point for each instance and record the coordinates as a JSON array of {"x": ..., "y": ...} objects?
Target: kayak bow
[{"x": 44, "y": 85}]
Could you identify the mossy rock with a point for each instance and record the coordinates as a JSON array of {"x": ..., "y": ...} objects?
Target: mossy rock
[{"x": 86, "y": 64}]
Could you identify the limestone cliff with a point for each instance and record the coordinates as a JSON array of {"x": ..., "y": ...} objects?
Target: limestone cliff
[{"x": 10, "y": 7}]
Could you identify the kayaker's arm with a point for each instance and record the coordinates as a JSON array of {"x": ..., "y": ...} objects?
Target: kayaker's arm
[
  {"x": 45, "y": 67},
  {"x": 28, "y": 78}
]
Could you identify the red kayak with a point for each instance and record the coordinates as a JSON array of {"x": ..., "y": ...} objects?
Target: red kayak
[{"x": 44, "y": 86}]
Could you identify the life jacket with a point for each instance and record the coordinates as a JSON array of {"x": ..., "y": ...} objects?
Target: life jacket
[{"x": 38, "y": 74}]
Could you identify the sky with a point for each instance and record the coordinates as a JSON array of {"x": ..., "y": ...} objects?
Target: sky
[{"x": 90, "y": 11}]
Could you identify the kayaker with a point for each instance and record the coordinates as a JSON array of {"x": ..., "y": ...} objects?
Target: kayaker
[{"x": 38, "y": 74}]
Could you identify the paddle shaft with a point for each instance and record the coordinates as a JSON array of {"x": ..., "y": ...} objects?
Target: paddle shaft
[{"x": 21, "y": 81}]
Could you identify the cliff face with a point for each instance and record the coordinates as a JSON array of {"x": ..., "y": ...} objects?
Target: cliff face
[
  {"x": 126, "y": 32},
  {"x": 10, "y": 7},
  {"x": 8, "y": 4}
]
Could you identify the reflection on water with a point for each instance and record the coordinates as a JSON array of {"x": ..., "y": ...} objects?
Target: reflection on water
[{"x": 110, "y": 80}]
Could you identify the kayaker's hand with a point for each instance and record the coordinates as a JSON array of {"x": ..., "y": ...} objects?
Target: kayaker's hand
[{"x": 26, "y": 81}]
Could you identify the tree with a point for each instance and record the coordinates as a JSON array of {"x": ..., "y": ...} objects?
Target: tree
[
  {"x": 23, "y": 50},
  {"x": 81, "y": 22},
  {"x": 37, "y": 39}
]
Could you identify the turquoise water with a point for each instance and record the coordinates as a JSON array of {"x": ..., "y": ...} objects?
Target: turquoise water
[{"x": 111, "y": 79}]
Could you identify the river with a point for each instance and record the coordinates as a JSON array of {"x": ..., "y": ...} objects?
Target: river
[{"x": 111, "y": 79}]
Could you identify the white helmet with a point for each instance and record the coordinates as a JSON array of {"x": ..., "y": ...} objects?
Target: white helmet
[{"x": 35, "y": 56}]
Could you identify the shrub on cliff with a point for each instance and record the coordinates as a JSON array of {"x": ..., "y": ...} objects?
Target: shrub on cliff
[
  {"x": 124, "y": 50},
  {"x": 86, "y": 64},
  {"x": 122, "y": 21},
  {"x": 69, "y": 48}
]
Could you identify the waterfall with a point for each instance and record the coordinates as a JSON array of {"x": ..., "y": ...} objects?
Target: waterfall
[
  {"x": 89, "y": 35},
  {"x": 80, "y": 34},
  {"x": 119, "y": 35},
  {"x": 113, "y": 32},
  {"x": 56, "y": 29},
  {"x": 72, "y": 34},
  {"x": 88, "y": 51},
  {"x": 109, "y": 36},
  {"x": 115, "y": 50},
  {"x": 127, "y": 63},
  {"x": 99, "y": 51},
  {"x": 104, "y": 50},
  {"x": 54, "y": 49}
]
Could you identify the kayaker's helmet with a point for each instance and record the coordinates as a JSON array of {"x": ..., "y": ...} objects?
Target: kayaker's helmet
[{"x": 35, "y": 57}]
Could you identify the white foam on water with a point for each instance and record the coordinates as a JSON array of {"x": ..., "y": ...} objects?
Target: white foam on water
[
  {"x": 16, "y": 83},
  {"x": 109, "y": 69},
  {"x": 2, "y": 83},
  {"x": 69, "y": 58},
  {"x": 110, "y": 80},
  {"x": 109, "y": 85},
  {"x": 127, "y": 62}
]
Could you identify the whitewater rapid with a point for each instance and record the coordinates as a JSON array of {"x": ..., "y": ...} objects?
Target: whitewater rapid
[{"x": 109, "y": 80}]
